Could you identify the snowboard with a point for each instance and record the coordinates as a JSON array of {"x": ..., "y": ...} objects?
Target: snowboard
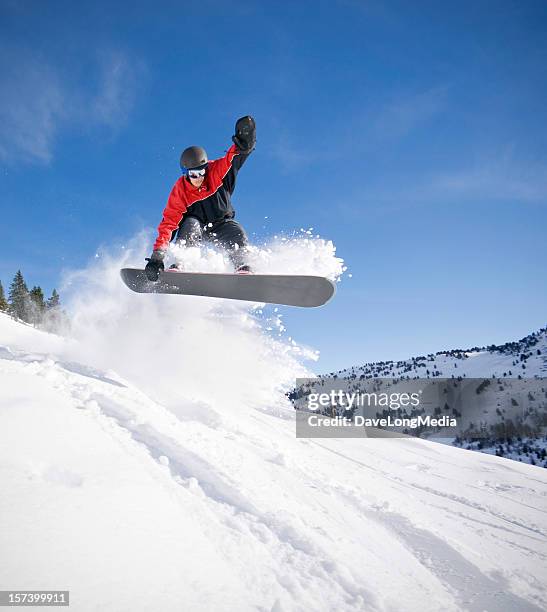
[{"x": 305, "y": 291}]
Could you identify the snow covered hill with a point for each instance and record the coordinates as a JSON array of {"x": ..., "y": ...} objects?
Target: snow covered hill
[
  {"x": 132, "y": 507},
  {"x": 526, "y": 357},
  {"x": 522, "y": 359},
  {"x": 150, "y": 463}
]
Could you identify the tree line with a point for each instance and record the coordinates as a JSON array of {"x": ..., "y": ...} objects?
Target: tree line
[{"x": 31, "y": 305}]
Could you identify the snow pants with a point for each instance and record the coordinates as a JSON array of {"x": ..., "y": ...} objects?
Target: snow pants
[{"x": 227, "y": 233}]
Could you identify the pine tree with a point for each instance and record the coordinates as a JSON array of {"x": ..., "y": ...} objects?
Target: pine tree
[
  {"x": 19, "y": 299},
  {"x": 3, "y": 302},
  {"x": 38, "y": 305},
  {"x": 54, "y": 301},
  {"x": 55, "y": 318}
]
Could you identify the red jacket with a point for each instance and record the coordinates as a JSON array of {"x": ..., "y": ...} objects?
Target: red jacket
[{"x": 209, "y": 203}]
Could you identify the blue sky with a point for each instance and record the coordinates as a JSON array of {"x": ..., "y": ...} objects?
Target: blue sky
[{"x": 414, "y": 135}]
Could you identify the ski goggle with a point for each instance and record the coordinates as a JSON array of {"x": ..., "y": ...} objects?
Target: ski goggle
[{"x": 196, "y": 172}]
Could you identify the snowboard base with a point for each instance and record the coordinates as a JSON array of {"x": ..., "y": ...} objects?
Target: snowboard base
[{"x": 289, "y": 290}]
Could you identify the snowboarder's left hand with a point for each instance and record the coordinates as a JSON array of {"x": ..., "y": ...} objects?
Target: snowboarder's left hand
[{"x": 245, "y": 134}]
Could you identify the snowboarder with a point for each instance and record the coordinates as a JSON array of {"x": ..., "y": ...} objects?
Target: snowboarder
[{"x": 199, "y": 206}]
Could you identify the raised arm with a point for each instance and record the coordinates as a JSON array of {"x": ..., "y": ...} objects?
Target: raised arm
[{"x": 244, "y": 138}]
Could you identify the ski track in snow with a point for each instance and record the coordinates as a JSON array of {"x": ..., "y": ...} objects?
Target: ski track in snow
[{"x": 188, "y": 469}]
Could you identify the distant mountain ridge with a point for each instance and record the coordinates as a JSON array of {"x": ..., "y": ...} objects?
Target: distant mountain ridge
[
  {"x": 523, "y": 359},
  {"x": 526, "y": 357}
]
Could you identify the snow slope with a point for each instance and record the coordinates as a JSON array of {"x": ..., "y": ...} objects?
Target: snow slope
[
  {"x": 150, "y": 463},
  {"x": 526, "y": 357}
]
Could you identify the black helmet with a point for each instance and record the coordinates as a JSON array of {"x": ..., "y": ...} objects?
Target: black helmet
[{"x": 193, "y": 157}]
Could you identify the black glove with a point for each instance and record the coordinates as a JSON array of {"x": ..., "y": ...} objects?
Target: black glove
[
  {"x": 245, "y": 134},
  {"x": 154, "y": 266}
]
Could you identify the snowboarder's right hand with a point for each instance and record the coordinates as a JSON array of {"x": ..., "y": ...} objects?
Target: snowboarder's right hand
[{"x": 154, "y": 266}]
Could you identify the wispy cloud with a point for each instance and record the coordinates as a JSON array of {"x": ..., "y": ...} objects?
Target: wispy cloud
[
  {"x": 389, "y": 121},
  {"x": 493, "y": 179},
  {"x": 408, "y": 111},
  {"x": 291, "y": 154},
  {"x": 32, "y": 106},
  {"x": 118, "y": 85},
  {"x": 40, "y": 101},
  {"x": 500, "y": 177}
]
